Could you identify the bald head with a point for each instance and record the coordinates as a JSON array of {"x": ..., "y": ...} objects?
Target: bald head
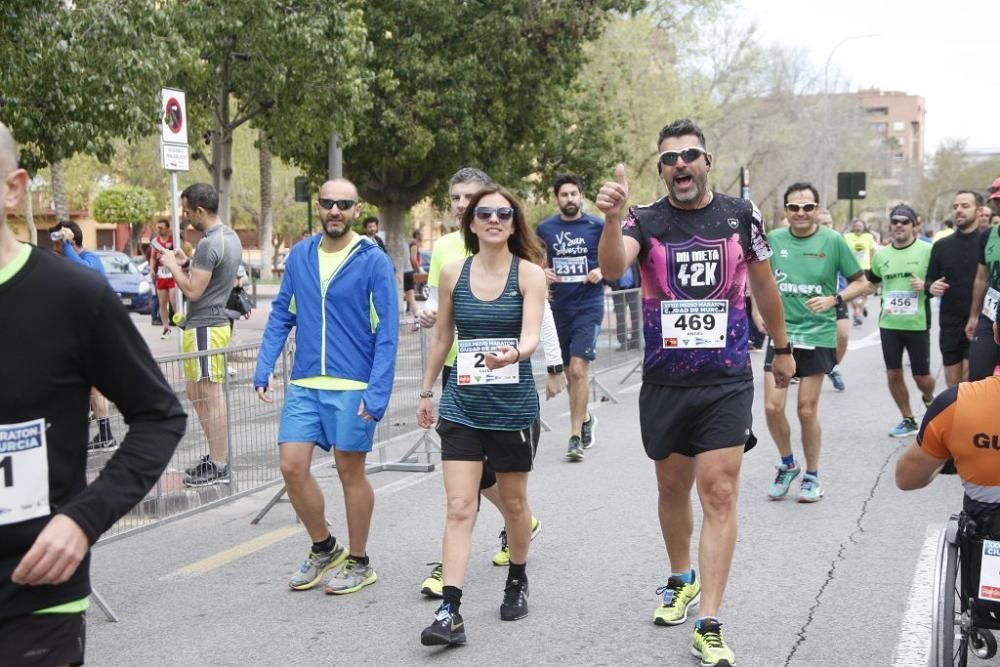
[
  {"x": 339, "y": 188},
  {"x": 8, "y": 152}
]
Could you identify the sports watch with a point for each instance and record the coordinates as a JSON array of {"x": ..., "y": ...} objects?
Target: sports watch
[
  {"x": 555, "y": 370},
  {"x": 787, "y": 349}
]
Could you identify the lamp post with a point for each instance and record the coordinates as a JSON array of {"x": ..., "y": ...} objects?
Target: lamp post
[{"x": 826, "y": 106}]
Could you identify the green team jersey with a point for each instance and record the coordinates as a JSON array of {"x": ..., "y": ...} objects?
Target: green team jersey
[
  {"x": 903, "y": 308},
  {"x": 805, "y": 268}
]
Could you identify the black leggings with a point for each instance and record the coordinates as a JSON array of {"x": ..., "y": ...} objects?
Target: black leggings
[{"x": 984, "y": 353}]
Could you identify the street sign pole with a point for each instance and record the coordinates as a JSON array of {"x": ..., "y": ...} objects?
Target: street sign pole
[{"x": 174, "y": 158}]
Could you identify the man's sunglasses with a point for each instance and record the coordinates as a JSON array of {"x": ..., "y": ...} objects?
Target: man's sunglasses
[
  {"x": 669, "y": 158},
  {"x": 504, "y": 213},
  {"x": 900, "y": 221},
  {"x": 342, "y": 204},
  {"x": 795, "y": 208}
]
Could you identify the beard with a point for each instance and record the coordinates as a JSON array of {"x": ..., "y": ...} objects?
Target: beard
[
  {"x": 334, "y": 234},
  {"x": 965, "y": 223},
  {"x": 569, "y": 210},
  {"x": 697, "y": 189}
]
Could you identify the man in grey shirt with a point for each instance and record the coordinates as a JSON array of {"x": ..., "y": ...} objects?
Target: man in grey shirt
[{"x": 206, "y": 281}]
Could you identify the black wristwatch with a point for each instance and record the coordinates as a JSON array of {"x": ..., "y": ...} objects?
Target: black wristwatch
[
  {"x": 839, "y": 299},
  {"x": 787, "y": 349},
  {"x": 555, "y": 370}
]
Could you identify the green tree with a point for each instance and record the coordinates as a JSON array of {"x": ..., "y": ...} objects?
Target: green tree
[
  {"x": 130, "y": 205},
  {"x": 75, "y": 76},
  {"x": 294, "y": 69},
  {"x": 460, "y": 83}
]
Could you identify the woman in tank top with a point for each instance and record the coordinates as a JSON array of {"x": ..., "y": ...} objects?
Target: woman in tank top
[{"x": 495, "y": 301}]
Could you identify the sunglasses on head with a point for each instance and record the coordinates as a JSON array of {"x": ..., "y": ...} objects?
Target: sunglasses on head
[
  {"x": 342, "y": 204},
  {"x": 504, "y": 213},
  {"x": 900, "y": 221},
  {"x": 669, "y": 158},
  {"x": 795, "y": 208}
]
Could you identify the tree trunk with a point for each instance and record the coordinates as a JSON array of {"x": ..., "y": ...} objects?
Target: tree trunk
[
  {"x": 29, "y": 215},
  {"x": 266, "y": 215},
  {"x": 59, "y": 200},
  {"x": 393, "y": 221}
]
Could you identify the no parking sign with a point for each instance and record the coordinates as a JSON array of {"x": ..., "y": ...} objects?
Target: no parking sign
[{"x": 173, "y": 130}]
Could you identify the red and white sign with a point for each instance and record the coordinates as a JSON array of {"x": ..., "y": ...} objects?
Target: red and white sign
[{"x": 173, "y": 117}]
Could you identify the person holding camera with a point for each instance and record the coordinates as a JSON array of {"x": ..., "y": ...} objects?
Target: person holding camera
[{"x": 67, "y": 240}]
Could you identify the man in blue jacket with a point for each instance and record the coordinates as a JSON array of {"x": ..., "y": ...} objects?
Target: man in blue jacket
[{"x": 339, "y": 291}]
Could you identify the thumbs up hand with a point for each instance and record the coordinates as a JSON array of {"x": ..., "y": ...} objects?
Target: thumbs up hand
[{"x": 613, "y": 195}]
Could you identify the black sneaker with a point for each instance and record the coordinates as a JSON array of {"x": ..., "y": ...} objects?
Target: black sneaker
[
  {"x": 515, "y": 600},
  {"x": 102, "y": 444},
  {"x": 195, "y": 468},
  {"x": 448, "y": 629},
  {"x": 207, "y": 472},
  {"x": 574, "y": 452},
  {"x": 587, "y": 432}
]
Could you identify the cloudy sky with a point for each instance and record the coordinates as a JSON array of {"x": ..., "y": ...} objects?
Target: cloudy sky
[{"x": 946, "y": 52}]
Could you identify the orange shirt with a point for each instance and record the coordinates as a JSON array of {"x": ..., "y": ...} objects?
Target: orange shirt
[{"x": 964, "y": 424}]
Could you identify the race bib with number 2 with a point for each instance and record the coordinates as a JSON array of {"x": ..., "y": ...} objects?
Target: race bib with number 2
[
  {"x": 571, "y": 269},
  {"x": 471, "y": 366}
]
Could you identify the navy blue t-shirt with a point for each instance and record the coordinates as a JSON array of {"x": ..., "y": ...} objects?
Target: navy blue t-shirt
[{"x": 571, "y": 249}]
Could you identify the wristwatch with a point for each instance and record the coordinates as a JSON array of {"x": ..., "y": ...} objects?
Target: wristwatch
[
  {"x": 555, "y": 370},
  {"x": 839, "y": 299},
  {"x": 787, "y": 349}
]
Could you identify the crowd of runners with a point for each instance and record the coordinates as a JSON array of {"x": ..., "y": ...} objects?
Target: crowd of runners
[{"x": 497, "y": 292}]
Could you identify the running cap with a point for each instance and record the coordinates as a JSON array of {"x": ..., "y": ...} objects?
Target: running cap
[
  {"x": 995, "y": 189},
  {"x": 903, "y": 211}
]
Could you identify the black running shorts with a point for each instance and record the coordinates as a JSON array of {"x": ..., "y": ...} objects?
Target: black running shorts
[
  {"x": 503, "y": 451},
  {"x": 408, "y": 282},
  {"x": 842, "y": 311},
  {"x": 43, "y": 639},
  {"x": 984, "y": 353},
  {"x": 692, "y": 420},
  {"x": 953, "y": 343},
  {"x": 817, "y": 361},
  {"x": 917, "y": 345}
]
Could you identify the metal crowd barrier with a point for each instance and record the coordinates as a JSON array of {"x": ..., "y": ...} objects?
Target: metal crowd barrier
[{"x": 252, "y": 425}]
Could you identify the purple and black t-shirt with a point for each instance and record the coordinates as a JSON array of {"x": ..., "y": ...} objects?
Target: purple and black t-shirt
[{"x": 694, "y": 273}]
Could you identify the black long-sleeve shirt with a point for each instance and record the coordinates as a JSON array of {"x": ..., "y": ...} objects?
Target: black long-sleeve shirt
[
  {"x": 955, "y": 258},
  {"x": 62, "y": 331}
]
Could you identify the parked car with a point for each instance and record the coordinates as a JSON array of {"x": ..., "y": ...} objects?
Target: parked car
[
  {"x": 141, "y": 263},
  {"x": 132, "y": 287},
  {"x": 420, "y": 288}
]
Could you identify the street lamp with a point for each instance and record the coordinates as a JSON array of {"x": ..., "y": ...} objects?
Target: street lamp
[{"x": 826, "y": 104}]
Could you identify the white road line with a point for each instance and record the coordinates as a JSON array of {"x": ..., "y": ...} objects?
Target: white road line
[
  {"x": 913, "y": 646},
  {"x": 872, "y": 339}
]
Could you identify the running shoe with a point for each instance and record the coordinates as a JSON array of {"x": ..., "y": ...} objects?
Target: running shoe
[
  {"x": 793, "y": 380},
  {"x": 864, "y": 311},
  {"x": 587, "y": 432},
  {"x": 783, "y": 480},
  {"x": 502, "y": 556},
  {"x": 98, "y": 444},
  {"x": 448, "y": 629},
  {"x": 905, "y": 428},
  {"x": 927, "y": 401},
  {"x": 810, "y": 489},
  {"x": 857, "y": 321},
  {"x": 166, "y": 334},
  {"x": 707, "y": 643},
  {"x": 515, "y": 600},
  {"x": 433, "y": 586},
  {"x": 206, "y": 473},
  {"x": 575, "y": 450},
  {"x": 837, "y": 379},
  {"x": 315, "y": 566},
  {"x": 678, "y": 597},
  {"x": 350, "y": 577}
]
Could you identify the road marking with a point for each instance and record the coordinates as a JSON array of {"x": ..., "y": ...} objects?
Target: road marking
[
  {"x": 260, "y": 542},
  {"x": 913, "y": 646},
  {"x": 216, "y": 561},
  {"x": 872, "y": 339}
]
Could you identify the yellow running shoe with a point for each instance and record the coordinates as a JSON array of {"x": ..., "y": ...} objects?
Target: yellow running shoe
[
  {"x": 677, "y": 598},
  {"x": 433, "y": 586},
  {"x": 707, "y": 643},
  {"x": 502, "y": 557}
]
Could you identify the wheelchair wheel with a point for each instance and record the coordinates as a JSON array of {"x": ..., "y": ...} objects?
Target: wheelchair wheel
[
  {"x": 950, "y": 639},
  {"x": 983, "y": 643}
]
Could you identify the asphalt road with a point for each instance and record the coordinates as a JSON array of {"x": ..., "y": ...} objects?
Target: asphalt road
[{"x": 840, "y": 582}]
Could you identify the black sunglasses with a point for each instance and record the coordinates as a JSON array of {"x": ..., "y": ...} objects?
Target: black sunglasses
[
  {"x": 669, "y": 158},
  {"x": 342, "y": 204},
  {"x": 795, "y": 208},
  {"x": 900, "y": 221},
  {"x": 504, "y": 213}
]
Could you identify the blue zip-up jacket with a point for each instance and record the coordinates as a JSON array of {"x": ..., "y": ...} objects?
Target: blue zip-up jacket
[{"x": 350, "y": 348}]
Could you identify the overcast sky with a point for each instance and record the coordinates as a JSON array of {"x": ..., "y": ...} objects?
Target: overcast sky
[{"x": 946, "y": 52}]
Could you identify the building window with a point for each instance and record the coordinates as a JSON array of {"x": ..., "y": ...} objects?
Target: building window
[{"x": 898, "y": 126}]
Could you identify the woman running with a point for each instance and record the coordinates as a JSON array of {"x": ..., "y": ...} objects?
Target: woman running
[{"x": 495, "y": 300}]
